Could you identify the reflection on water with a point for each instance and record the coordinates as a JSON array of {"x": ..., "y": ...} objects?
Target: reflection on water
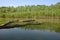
[{"x": 29, "y": 33}]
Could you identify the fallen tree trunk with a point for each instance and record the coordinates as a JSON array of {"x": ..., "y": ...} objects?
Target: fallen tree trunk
[{"x": 29, "y": 22}]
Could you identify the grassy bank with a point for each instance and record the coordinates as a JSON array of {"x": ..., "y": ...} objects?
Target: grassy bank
[{"x": 44, "y": 20}]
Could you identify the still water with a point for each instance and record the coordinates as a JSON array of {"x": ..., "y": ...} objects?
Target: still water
[{"x": 28, "y": 34}]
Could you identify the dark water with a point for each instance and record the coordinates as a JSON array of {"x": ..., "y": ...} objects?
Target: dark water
[{"x": 28, "y": 34}]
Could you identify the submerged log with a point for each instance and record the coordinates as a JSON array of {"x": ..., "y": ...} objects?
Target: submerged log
[
  {"x": 30, "y": 22},
  {"x": 9, "y": 22},
  {"x": 13, "y": 26}
]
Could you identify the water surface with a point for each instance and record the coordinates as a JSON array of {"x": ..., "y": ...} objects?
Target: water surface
[{"x": 28, "y": 34}]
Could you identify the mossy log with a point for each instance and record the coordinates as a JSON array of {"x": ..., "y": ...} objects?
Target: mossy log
[{"x": 29, "y": 22}]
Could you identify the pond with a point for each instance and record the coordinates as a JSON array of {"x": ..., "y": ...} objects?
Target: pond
[{"x": 24, "y": 33}]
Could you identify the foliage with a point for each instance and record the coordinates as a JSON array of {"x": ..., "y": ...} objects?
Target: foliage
[{"x": 30, "y": 11}]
